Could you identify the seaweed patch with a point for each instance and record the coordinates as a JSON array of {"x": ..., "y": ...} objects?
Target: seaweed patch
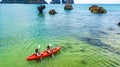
[
  {"x": 99, "y": 43},
  {"x": 83, "y": 62}
]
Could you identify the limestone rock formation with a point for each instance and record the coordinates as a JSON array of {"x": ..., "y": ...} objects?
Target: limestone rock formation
[
  {"x": 97, "y": 9},
  {"x": 52, "y": 11},
  {"x": 40, "y": 8},
  {"x": 68, "y": 6}
]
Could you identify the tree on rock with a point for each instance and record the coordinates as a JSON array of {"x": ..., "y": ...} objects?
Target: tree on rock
[
  {"x": 68, "y": 6},
  {"x": 40, "y": 8},
  {"x": 52, "y": 11}
]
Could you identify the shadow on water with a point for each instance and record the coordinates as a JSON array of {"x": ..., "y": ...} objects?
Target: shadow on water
[
  {"x": 118, "y": 33},
  {"x": 68, "y": 11},
  {"x": 83, "y": 62},
  {"x": 95, "y": 42},
  {"x": 41, "y": 15},
  {"x": 99, "y": 43},
  {"x": 98, "y": 32},
  {"x": 68, "y": 46}
]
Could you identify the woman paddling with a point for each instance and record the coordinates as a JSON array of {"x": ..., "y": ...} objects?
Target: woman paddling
[
  {"x": 49, "y": 50},
  {"x": 38, "y": 53}
]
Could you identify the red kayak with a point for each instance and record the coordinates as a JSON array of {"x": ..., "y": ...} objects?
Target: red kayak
[{"x": 43, "y": 55}]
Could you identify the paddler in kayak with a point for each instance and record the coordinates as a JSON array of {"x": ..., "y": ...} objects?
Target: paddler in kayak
[
  {"x": 49, "y": 50},
  {"x": 37, "y": 52}
]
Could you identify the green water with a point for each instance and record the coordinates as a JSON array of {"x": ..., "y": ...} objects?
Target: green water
[
  {"x": 87, "y": 40},
  {"x": 74, "y": 53}
]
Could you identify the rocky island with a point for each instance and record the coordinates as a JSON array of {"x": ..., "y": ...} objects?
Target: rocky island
[{"x": 97, "y": 9}]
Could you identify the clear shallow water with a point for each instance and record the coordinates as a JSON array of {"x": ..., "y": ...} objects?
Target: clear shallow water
[{"x": 86, "y": 38}]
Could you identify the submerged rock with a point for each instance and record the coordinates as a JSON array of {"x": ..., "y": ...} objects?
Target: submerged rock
[
  {"x": 52, "y": 11},
  {"x": 68, "y": 6},
  {"x": 97, "y": 9},
  {"x": 111, "y": 28},
  {"x": 83, "y": 62},
  {"x": 40, "y": 8},
  {"x": 82, "y": 49},
  {"x": 119, "y": 24},
  {"x": 118, "y": 33},
  {"x": 94, "y": 41}
]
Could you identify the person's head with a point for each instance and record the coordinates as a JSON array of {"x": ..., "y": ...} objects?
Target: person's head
[
  {"x": 36, "y": 50},
  {"x": 48, "y": 47}
]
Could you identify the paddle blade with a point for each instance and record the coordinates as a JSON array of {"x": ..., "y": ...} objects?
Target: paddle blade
[
  {"x": 39, "y": 46},
  {"x": 50, "y": 45}
]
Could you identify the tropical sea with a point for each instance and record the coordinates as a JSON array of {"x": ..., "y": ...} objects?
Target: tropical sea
[{"x": 87, "y": 39}]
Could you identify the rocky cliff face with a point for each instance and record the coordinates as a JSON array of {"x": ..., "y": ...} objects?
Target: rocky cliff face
[
  {"x": 63, "y": 2},
  {"x": 55, "y": 2},
  {"x": 67, "y": 1},
  {"x": 25, "y": 1},
  {"x": 37, "y": 1}
]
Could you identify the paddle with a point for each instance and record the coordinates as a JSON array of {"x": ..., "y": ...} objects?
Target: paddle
[
  {"x": 38, "y": 46},
  {"x": 39, "y": 49},
  {"x": 50, "y": 45}
]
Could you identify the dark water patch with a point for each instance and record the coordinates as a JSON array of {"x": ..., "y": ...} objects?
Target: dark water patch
[
  {"x": 93, "y": 41},
  {"x": 114, "y": 62},
  {"x": 118, "y": 33},
  {"x": 83, "y": 62},
  {"x": 99, "y": 43},
  {"x": 112, "y": 29},
  {"x": 111, "y": 64},
  {"x": 77, "y": 51},
  {"x": 70, "y": 47},
  {"x": 66, "y": 47},
  {"x": 82, "y": 50},
  {"x": 98, "y": 32},
  {"x": 103, "y": 32},
  {"x": 63, "y": 48},
  {"x": 118, "y": 52},
  {"x": 105, "y": 65},
  {"x": 76, "y": 43}
]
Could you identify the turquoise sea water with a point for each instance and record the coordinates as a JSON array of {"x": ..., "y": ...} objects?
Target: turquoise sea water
[{"x": 87, "y": 39}]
